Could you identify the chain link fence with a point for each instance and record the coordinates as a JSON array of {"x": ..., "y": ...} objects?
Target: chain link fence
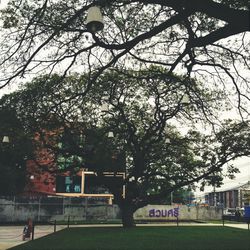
[{"x": 44, "y": 209}]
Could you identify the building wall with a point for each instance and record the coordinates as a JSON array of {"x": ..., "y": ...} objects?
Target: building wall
[
  {"x": 168, "y": 212},
  {"x": 238, "y": 197},
  {"x": 39, "y": 181},
  {"x": 16, "y": 209},
  {"x": 40, "y": 177},
  {"x": 19, "y": 209},
  {"x": 244, "y": 197}
]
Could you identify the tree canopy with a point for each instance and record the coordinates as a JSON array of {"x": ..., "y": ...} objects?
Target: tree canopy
[
  {"x": 150, "y": 58},
  {"x": 152, "y": 124},
  {"x": 13, "y": 154},
  {"x": 205, "y": 39}
]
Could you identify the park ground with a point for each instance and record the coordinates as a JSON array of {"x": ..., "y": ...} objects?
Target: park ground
[
  {"x": 146, "y": 237},
  {"x": 12, "y": 235}
]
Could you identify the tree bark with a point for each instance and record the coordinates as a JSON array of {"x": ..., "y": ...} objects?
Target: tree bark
[{"x": 127, "y": 216}]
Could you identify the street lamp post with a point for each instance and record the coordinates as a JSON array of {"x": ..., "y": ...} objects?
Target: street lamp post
[
  {"x": 110, "y": 134},
  {"x": 6, "y": 139},
  {"x": 94, "y": 20}
]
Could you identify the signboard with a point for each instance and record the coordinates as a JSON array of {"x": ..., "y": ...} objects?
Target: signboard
[
  {"x": 174, "y": 212},
  {"x": 97, "y": 185},
  {"x": 88, "y": 184}
]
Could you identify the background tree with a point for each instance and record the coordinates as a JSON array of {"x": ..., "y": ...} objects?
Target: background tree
[
  {"x": 152, "y": 123},
  {"x": 205, "y": 39},
  {"x": 182, "y": 196},
  {"x": 13, "y": 154}
]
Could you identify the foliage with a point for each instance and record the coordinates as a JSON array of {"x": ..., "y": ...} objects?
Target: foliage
[
  {"x": 193, "y": 41},
  {"x": 181, "y": 196},
  {"x": 146, "y": 112},
  {"x": 206, "y": 40},
  {"x": 13, "y": 155}
]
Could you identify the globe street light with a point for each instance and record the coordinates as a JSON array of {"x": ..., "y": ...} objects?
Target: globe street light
[
  {"x": 185, "y": 99},
  {"x": 6, "y": 139},
  {"x": 94, "y": 20},
  {"x": 110, "y": 134}
]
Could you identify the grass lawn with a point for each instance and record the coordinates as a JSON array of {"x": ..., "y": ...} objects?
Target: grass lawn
[{"x": 145, "y": 238}]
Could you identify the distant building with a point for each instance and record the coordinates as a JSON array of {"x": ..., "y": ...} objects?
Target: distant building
[
  {"x": 238, "y": 196},
  {"x": 54, "y": 173}
]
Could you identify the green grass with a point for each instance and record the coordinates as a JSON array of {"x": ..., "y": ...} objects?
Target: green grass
[{"x": 144, "y": 238}]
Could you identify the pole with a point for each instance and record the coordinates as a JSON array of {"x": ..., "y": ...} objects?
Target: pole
[
  {"x": 214, "y": 196},
  {"x": 54, "y": 226},
  {"x": 39, "y": 208},
  {"x": 86, "y": 209},
  {"x": 222, "y": 212},
  {"x": 33, "y": 231}
]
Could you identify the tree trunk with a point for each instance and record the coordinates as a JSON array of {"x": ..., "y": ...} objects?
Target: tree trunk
[{"x": 127, "y": 216}]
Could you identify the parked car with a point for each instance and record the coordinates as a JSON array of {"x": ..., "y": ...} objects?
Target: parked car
[{"x": 234, "y": 211}]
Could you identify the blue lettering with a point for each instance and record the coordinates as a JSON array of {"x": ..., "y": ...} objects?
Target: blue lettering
[
  {"x": 176, "y": 212},
  {"x": 158, "y": 213},
  {"x": 151, "y": 213},
  {"x": 170, "y": 213},
  {"x": 164, "y": 213}
]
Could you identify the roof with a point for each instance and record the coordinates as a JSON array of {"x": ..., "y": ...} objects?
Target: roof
[{"x": 245, "y": 185}]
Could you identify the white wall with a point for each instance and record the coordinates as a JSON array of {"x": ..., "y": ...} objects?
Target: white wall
[{"x": 167, "y": 212}]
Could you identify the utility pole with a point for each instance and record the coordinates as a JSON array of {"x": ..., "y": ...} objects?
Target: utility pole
[{"x": 215, "y": 200}]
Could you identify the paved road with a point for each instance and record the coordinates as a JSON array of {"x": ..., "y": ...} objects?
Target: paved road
[
  {"x": 241, "y": 226},
  {"x": 11, "y": 236}
]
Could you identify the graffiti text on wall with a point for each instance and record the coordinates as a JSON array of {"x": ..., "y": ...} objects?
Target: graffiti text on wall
[{"x": 164, "y": 212}]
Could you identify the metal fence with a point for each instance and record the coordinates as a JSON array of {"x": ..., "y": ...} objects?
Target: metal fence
[{"x": 41, "y": 209}]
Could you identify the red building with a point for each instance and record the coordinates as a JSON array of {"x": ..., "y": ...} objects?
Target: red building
[
  {"x": 47, "y": 173},
  {"x": 41, "y": 171}
]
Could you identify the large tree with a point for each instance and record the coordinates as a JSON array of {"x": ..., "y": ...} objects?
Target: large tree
[
  {"x": 206, "y": 39},
  {"x": 144, "y": 108},
  {"x": 153, "y": 122}
]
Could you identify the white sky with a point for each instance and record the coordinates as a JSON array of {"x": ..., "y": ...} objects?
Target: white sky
[
  {"x": 241, "y": 178},
  {"x": 3, "y": 3},
  {"x": 243, "y": 164}
]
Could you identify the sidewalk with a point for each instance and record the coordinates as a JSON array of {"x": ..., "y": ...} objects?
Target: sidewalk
[{"x": 241, "y": 226}]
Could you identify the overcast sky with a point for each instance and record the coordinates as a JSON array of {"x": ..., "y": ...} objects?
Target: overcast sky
[{"x": 241, "y": 178}]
